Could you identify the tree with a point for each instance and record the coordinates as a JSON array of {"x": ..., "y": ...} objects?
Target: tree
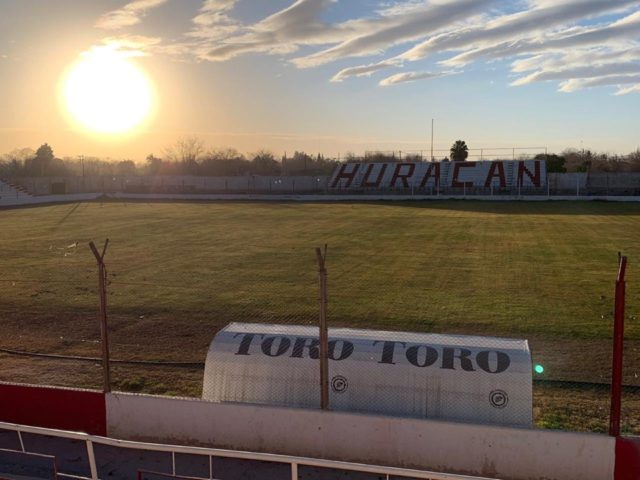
[
  {"x": 38, "y": 166},
  {"x": 224, "y": 161},
  {"x": 265, "y": 163},
  {"x": 459, "y": 151},
  {"x": 126, "y": 168},
  {"x": 152, "y": 165},
  {"x": 186, "y": 150},
  {"x": 555, "y": 163}
]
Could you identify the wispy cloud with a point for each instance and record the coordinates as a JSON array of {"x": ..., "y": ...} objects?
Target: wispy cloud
[
  {"x": 364, "y": 70},
  {"x": 128, "y": 15},
  {"x": 406, "y": 77},
  {"x": 632, "y": 89},
  {"x": 397, "y": 26},
  {"x": 617, "y": 80},
  {"x": 582, "y": 71},
  {"x": 514, "y": 26},
  {"x": 572, "y": 42},
  {"x": 280, "y": 33}
]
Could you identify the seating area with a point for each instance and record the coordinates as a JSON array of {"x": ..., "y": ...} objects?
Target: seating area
[
  {"x": 33, "y": 453},
  {"x": 12, "y": 192}
]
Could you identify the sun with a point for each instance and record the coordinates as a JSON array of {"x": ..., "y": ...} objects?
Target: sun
[{"x": 106, "y": 93}]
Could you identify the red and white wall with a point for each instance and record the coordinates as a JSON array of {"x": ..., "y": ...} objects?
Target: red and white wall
[{"x": 491, "y": 451}]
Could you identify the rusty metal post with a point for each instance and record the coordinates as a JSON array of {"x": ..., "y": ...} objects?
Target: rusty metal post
[
  {"x": 618, "y": 346},
  {"x": 324, "y": 333},
  {"x": 104, "y": 332}
]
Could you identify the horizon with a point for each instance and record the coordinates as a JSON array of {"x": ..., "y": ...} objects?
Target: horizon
[{"x": 126, "y": 79}]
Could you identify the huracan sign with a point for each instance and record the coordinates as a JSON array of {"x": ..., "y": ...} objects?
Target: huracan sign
[
  {"x": 417, "y": 175},
  {"x": 421, "y": 375}
]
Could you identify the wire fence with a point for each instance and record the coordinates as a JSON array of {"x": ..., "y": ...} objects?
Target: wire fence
[{"x": 411, "y": 333}]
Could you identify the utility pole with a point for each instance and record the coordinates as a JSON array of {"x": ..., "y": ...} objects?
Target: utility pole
[
  {"x": 431, "y": 140},
  {"x": 82, "y": 164}
]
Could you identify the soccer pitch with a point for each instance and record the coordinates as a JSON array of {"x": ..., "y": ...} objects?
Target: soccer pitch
[{"x": 180, "y": 271}]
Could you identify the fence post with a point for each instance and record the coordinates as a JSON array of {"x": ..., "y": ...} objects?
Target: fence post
[
  {"x": 618, "y": 345},
  {"x": 324, "y": 334},
  {"x": 102, "y": 285}
]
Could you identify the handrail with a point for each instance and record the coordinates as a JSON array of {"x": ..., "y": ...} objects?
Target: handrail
[{"x": 294, "y": 461}]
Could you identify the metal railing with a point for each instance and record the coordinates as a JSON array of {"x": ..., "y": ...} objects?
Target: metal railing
[{"x": 211, "y": 453}]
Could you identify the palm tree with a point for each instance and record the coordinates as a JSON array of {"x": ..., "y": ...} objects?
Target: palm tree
[{"x": 459, "y": 151}]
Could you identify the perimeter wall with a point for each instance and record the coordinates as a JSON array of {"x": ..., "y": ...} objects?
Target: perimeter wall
[{"x": 507, "y": 453}]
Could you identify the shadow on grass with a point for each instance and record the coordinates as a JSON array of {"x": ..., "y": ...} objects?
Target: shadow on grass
[{"x": 521, "y": 207}]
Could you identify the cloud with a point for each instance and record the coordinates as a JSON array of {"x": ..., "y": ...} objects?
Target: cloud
[
  {"x": 128, "y": 15},
  {"x": 280, "y": 33},
  {"x": 627, "y": 90},
  {"x": 627, "y": 28},
  {"x": 363, "y": 70},
  {"x": 579, "y": 83},
  {"x": 395, "y": 26},
  {"x": 573, "y": 42},
  {"x": 213, "y": 20},
  {"x": 514, "y": 26},
  {"x": 586, "y": 71},
  {"x": 406, "y": 77}
]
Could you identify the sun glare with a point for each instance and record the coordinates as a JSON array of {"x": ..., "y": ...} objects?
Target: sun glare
[{"x": 105, "y": 92}]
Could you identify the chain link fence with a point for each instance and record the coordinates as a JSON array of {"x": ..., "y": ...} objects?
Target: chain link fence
[{"x": 460, "y": 334}]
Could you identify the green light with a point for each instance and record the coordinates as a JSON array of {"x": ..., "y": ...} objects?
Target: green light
[{"x": 539, "y": 368}]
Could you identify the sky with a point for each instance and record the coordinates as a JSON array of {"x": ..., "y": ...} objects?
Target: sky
[{"x": 332, "y": 76}]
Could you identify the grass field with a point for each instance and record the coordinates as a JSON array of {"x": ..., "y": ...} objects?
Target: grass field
[{"x": 178, "y": 272}]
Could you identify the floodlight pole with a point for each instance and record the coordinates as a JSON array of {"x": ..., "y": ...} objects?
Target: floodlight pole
[
  {"x": 324, "y": 333},
  {"x": 618, "y": 346},
  {"x": 104, "y": 333}
]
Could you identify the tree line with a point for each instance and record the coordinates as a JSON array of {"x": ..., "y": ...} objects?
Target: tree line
[
  {"x": 185, "y": 157},
  {"x": 188, "y": 156}
]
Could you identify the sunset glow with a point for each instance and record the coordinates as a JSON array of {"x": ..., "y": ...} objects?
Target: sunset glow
[{"x": 105, "y": 92}]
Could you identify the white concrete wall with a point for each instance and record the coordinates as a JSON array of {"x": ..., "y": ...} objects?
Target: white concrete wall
[
  {"x": 236, "y": 184},
  {"x": 570, "y": 182},
  {"x": 505, "y": 453}
]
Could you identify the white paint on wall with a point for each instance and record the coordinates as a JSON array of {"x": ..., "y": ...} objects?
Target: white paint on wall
[{"x": 519, "y": 454}]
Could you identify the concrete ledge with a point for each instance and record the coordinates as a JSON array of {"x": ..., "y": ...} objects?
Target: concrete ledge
[{"x": 519, "y": 454}]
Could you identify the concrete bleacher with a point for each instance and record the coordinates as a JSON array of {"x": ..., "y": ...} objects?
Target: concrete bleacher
[{"x": 11, "y": 193}]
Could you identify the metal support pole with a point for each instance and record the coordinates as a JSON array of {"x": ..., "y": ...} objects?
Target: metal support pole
[
  {"x": 618, "y": 345},
  {"x": 431, "y": 159},
  {"x": 324, "y": 333},
  {"x": 102, "y": 285},
  {"x": 92, "y": 460}
]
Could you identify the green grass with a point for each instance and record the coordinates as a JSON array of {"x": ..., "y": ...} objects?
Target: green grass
[{"x": 178, "y": 272}]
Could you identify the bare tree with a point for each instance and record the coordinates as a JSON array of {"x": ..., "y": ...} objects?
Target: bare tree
[{"x": 186, "y": 150}]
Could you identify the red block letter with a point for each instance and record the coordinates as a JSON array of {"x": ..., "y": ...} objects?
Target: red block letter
[
  {"x": 500, "y": 174},
  {"x": 456, "y": 172},
  {"x": 397, "y": 175},
  {"x": 376, "y": 183},
  {"x": 432, "y": 171},
  {"x": 535, "y": 177},
  {"x": 349, "y": 176}
]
